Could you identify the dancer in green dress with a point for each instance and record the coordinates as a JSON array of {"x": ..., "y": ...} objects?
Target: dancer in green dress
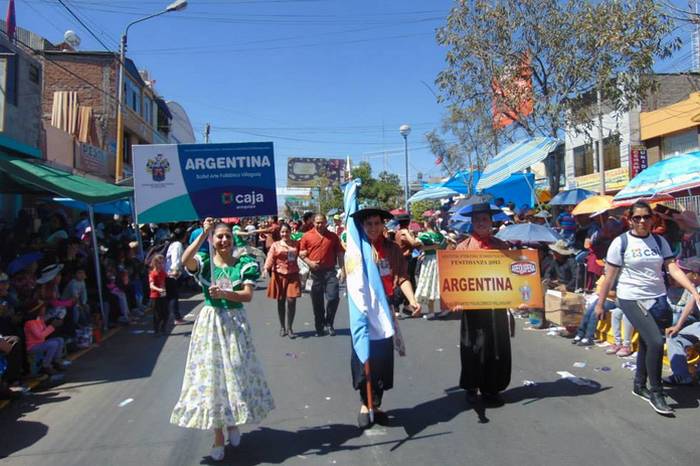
[{"x": 224, "y": 385}]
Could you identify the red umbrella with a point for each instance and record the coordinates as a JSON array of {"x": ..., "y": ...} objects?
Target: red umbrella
[
  {"x": 397, "y": 212},
  {"x": 428, "y": 213},
  {"x": 414, "y": 226},
  {"x": 233, "y": 220},
  {"x": 660, "y": 197}
]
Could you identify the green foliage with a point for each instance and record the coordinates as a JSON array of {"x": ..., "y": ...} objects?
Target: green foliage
[
  {"x": 384, "y": 191},
  {"x": 569, "y": 47},
  {"x": 419, "y": 207}
]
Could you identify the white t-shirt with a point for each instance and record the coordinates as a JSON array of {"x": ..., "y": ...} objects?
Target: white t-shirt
[
  {"x": 641, "y": 275},
  {"x": 173, "y": 257}
]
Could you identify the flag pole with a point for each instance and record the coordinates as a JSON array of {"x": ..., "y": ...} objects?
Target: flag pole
[{"x": 370, "y": 401}]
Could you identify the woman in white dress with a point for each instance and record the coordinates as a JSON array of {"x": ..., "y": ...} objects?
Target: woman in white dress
[{"x": 224, "y": 385}]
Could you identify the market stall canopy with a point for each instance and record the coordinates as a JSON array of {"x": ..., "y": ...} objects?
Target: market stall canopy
[
  {"x": 571, "y": 196},
  {"x": 514, "y": 158},
  {"x": 120, "y": 207},
  {"x": 517, "y": 187},
  {"x": 36, "y": 175},
  {"x": 476, "y": 199},
  {"x": 438, "y": 192},
  {"x": 667, "y": 176}
]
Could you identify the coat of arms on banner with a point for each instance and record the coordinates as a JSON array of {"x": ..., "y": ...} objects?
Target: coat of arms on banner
[{"x": 157, "y": 167}]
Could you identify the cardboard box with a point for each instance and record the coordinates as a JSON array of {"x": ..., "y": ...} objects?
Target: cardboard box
[{"x": 563, "y": 308}]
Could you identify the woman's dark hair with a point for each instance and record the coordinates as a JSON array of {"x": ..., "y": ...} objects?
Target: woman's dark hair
[
  {"x": 639, "y": 205},
  {"x": 285, "y": 225},
  {"x": 178, "y": 234},
  {"x": 220, "y": 224}
]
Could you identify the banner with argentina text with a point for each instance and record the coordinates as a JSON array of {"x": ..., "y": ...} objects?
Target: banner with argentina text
[{"x": 181, "y": 182}]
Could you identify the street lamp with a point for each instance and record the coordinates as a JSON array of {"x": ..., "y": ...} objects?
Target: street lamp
[
  {"x": 405, "y": 130},
  {"x": 177, "y": 5}
]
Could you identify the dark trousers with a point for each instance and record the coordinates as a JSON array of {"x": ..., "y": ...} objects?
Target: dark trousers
[
  {"x": 172, "y": 293},
  {"x": 381, "y": 370},
  {"x": 159, "y": 308},
  {"x": 650, "y": 353},
  {"x": 325, "y": 284}
]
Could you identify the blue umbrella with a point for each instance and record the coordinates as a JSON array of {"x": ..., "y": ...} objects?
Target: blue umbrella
[
  {"x": 571, "y": 196},
  {"x": 332, "y": 212},
  {"x": 22, "y": 262},
  {"x": 528, "y": 233},
  {"x": 438, "y": 192},
  {"x": 666, "y": 176}
]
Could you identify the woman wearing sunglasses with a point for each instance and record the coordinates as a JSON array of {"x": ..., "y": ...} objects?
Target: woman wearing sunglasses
[{"x": 639, "y": 257}]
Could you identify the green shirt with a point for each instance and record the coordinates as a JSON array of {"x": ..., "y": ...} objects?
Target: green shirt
[
  {"x": 296, "y": 236},
  {"x": 431, "y": 238},
  {"x": 244, "y": 272},
  {"x": 238, "y": 241}
]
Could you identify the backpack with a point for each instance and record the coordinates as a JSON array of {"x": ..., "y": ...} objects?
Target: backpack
[{"x": 158, "y": 248}]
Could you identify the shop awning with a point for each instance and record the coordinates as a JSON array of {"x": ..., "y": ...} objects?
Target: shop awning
[
  {"x": 515, "y": 158},
  {"x": 38, "y": 176}
]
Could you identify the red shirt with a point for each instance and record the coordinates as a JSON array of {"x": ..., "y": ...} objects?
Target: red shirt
[
  {"x": 324, "y": 248},
  {"x": 384, "y": 267},
  {"x": 282, "y": 258},
  {"x": 157, "y": 277},
  {"x": 273, "y": 235},
  {"x": 475, "y": 242}
]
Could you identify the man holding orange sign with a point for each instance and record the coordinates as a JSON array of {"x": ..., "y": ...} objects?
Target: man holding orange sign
[{"x": 483, "y": 279}]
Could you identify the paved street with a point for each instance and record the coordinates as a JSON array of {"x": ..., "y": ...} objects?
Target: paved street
[{"x": 553, "y": 422}]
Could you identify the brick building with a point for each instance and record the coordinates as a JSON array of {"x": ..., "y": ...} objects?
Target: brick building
[{"x": 89, "y": 80}]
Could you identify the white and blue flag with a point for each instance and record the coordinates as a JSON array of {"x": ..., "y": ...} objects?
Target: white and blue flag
[{"x": 370, "y": 314}]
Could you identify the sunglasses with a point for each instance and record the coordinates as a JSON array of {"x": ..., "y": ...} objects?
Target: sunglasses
[{"x": 639, "y": 218}]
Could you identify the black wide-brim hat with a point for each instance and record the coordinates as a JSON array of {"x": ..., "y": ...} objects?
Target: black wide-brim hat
[
  {"x": 362, "y": 214},
  {"x": 480, "y": 208}
]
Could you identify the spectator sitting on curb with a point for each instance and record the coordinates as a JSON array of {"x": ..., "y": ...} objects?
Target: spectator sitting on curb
[
  {"x": 686, "y": 330},
  {"x": 36, "y": 331}
]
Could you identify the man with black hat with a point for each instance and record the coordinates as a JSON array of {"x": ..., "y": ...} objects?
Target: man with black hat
[{"x": 484, "y": 334}]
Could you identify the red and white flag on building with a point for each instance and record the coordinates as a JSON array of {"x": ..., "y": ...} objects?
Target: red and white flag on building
[{"x": 11, "y": 20}]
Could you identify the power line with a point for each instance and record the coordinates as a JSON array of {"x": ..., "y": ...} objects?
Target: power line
[{"x": 82, "y": 23}]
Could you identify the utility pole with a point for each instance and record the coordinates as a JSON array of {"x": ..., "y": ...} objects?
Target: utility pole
[
  {"x": 601, "y": 156},
  {"x": 207, "y": 130}
]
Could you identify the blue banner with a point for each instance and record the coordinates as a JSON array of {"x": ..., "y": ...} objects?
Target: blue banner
[{"x": 193, "y": 181}]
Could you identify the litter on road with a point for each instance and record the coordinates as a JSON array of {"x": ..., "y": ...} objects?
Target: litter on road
[
  {"x": 125, "y": 402},
  {"x": 580, "y": 365}
]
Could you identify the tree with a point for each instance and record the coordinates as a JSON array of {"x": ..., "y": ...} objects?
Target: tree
[
  {"x": 384, "y": 191},
  {"x": 420, "y": 207},
  {"x": 565, "y": 49},
  {"x": 329, "y": 195}
]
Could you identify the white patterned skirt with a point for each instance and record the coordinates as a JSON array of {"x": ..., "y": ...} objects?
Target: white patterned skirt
[
  {"x": 428, "y": 286},
  {"x": 224, "y": 384}
]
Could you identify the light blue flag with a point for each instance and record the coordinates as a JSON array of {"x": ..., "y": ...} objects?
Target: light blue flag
[{"x": 370, "y": 314}]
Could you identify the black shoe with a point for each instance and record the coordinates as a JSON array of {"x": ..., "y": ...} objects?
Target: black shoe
[
  {"x": 472, "y": 396},
  {"x": 493, "y": 399},
  {"x": 331, "y": 331},
  {"x": 291, "y": 334},
  {"x": 658, "y": 402},
  {"x": 363, "y": 420},
  {"x": 283, "y": 332},
  {"x": 320, "y": 333},
  {"x": 641, "y": 391}
]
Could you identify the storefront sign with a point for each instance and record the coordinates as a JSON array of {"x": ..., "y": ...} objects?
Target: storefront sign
[
  {"x": 615, "y": 180},
  {"x": 192, "y": 181},
  {"x": 489, "y": 279},
  {"x": 638, "y": 160},
  {"x": 92, "y": 159}
]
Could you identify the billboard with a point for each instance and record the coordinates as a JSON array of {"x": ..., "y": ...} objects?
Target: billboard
[
  {"x": 304, "y": 172},
  {"x": 180, "y": 182}
]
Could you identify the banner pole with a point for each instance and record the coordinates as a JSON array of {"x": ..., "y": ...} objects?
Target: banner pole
[{"x": 370, "y": 400}]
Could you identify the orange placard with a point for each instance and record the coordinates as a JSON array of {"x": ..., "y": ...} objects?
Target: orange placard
[{"x": 489, "y": 279}]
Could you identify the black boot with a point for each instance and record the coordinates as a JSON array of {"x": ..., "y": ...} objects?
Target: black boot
[{"x": 291, "y": 311}]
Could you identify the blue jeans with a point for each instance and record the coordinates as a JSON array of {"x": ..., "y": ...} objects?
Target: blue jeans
[
  {"x": 589, "y": 323},
  {"x": 686, "y": 338}
]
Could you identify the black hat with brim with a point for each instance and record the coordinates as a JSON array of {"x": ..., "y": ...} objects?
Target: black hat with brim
[
  {"x": 480, "y": 208},
  {"x": 402, "y": 217},
  {"x": 362, "y": 214}
]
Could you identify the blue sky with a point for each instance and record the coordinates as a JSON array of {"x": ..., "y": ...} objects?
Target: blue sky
[{"x": 326, "y": 78}]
